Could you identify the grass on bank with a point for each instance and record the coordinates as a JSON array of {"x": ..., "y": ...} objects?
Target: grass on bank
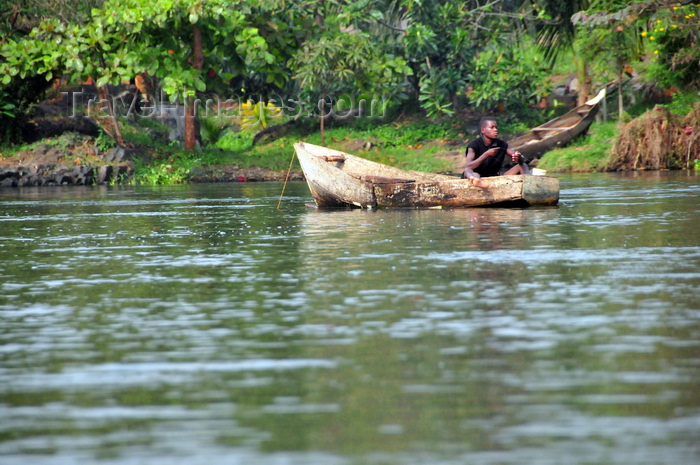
[
  {"x": 585, "y": 154},
  {"x": 407, "y": 144}
]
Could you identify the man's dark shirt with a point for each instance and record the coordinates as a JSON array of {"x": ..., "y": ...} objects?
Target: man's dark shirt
[{"x": 492, "y": 165}]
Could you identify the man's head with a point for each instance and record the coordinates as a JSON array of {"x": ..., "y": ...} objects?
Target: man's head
[{"x": 488, "y": 127}]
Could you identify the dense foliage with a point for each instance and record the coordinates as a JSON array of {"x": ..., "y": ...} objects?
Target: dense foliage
[{"x": 438, "y": 55}]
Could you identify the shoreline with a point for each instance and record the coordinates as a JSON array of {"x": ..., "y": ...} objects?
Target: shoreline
[
  {"x": 74, "y": 157},
  {"x": 37, "y": 175}
]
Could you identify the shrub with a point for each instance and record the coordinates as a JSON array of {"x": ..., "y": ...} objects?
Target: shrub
[{"x": 236, "y": 141}]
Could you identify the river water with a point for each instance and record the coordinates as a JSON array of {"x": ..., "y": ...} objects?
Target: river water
[{"x": 199, "y": 324}]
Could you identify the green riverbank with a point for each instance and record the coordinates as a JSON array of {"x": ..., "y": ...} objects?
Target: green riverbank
[{"x": 411, "y": 142}]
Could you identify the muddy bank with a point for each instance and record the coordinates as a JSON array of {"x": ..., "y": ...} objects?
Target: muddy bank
[
  {"x": 658, "y": 140},
  {"x": 58, "y": 174},
  {"x": 62, "y": 175},
  {"x": 234, "y": 173},
  {"x": 29, "y": 175},
  {"x": 71, "y": 159},
  {"x": 74, "y": 159}
]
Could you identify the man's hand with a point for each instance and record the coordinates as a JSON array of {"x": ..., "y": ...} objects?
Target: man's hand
[
  {"x": 491, "y": 152},
  {"x": 515, "y": 156}
]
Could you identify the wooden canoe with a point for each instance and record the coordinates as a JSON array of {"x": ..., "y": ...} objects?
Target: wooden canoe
[
  {"x": 559, "y": 131},
  {"x": 338, "y": 179}
]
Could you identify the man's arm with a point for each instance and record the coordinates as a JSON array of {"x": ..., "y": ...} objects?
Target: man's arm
[
  {"x": 474, "y": 162},
  {"x": 471, "y": 164}
]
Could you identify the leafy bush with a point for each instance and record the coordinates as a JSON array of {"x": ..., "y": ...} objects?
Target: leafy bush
[
  {"x": 213, "y": 128},
  {"x": 175, "y": 167},
  {"x": 673, "y": 42},
  {"x": 401, "y": 135},
  {"x": 163, "y": 173},
  {"x": 236, "y": 141},
  {"x": 104, "y": 141},
  {"x": 151, "y": 123},
  {"x": 682, "y": 102},
  {"x": 16, "y": 99},
  {"x": 507, "y": 77},
  {"x": 436, "y": 85}
]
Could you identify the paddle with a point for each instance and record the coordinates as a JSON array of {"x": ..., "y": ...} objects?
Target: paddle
[{"x": 286, "y": 179}]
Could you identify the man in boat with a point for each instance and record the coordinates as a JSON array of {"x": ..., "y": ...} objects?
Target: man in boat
[{"x": 486, "y": 153}]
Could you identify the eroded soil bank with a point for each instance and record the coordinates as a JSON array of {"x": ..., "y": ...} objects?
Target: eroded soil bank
[
  {"x": 658, "y": 139},
  {"x": 75, "y": 159}
]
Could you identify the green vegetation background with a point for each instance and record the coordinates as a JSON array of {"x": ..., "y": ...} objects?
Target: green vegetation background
[{"x": 440, "y": 64}]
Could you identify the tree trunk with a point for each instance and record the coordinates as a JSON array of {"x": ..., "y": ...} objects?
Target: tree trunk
[
  {"x": 190, "y": 114},
  {"x": 584, "y": 90},
  {"x": 198, "y": 62},
  {"x": 604, "y": 109},
  {"x": 104, "y": 95},
  {"x": 323, "y": 117},
  {"x": 190, "y": 137},
  {"x": 620, "y": 109}
]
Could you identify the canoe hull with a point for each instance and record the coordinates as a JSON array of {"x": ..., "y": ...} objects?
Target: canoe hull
[
  {"x": 459, "y": 193},
  {"x": 339, "y": 180},
  {"x": 559, "y": 131}
]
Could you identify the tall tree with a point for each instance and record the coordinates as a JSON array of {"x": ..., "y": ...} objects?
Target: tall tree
[
  {"x": 187, "y": 41},
  {"x": 443, "y": 40},
  {"x": 21, "y": 16},
  {"x": 672, "y": 35},
  {"x": 179, "y": 41},
  {"x": 339, "y": 57},
  {"x": 555, "y": 33},
  {"x": 612, "y": 35}
]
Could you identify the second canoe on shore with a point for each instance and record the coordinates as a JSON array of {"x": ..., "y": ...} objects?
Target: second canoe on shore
[{"x": 559, "y": 131}]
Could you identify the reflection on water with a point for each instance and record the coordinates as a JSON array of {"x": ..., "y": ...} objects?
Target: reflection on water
[{"x": 200, "y": 325}]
